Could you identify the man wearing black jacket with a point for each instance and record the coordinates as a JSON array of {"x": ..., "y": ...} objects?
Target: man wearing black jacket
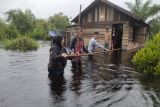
[{"x": 58, "y": 57}]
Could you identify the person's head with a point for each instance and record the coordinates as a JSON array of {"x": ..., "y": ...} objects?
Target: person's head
[
  {"x": 79, "y": 34},
  {"x": 96, "y": 34},
  {"x": 107, "y": 29},
  {"x": 59, "y": 39}
]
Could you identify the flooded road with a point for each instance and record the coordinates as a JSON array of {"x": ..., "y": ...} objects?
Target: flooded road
[{"x": 108, "y": 81}]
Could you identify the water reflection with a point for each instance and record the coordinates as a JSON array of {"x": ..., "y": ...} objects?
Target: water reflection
[
  {"x": 76, "y": 80},
  {"x": 109, "y": 80},
  {"x": 57, "y": 89},
  {"x": 152, "y": 88},
  {"x": 57, "y": 85}
]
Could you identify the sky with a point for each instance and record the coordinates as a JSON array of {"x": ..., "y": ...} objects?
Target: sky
[{"x": 45, "y": 8}]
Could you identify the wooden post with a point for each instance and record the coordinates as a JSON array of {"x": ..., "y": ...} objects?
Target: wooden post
[{"x": 79, "y": 21}]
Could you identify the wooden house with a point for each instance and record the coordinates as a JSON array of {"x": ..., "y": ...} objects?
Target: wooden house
[{"x": 101, "y": 14}]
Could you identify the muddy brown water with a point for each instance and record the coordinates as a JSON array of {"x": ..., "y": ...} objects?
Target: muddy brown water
[{"x": 109, "y": 80}]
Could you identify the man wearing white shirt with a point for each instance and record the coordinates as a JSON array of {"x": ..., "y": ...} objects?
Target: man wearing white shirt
[{"x": 93, "y": 44}]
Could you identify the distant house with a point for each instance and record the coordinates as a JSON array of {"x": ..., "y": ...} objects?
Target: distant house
[{"x": 101, "y": 14}]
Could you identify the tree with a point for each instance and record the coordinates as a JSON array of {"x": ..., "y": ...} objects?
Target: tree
[
  {"x": 24, "y": 21},
  {"x": 11, "y": 31},
  {"x": 58, "y": 21},
  {"x": 147, "y": 11},
  {"x": 2, "y": 29},
  {"x": 41, "y": 29},
  {"x": 155, "y": 25}
]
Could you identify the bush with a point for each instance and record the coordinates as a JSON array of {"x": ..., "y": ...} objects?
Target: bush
[
  {"x": 147, "y": 59},
  {"x": 21, "y": 44}
]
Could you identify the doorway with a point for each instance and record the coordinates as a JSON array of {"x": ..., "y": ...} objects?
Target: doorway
[
  {"x": 67, "y": 38},
  {"x": 117, "y": 32}
]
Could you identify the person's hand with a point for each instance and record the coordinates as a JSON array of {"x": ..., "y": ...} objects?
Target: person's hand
[
  {"x": 106, "y": 49},
  {"x": 77, "y": 53},
  {"x": 64, "y": 55},
  {"x": 91, "y": 53},
  {"x": 72, "y": 53}
]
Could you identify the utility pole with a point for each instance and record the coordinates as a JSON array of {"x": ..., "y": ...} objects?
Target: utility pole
[{"x": 79, "y": 20}]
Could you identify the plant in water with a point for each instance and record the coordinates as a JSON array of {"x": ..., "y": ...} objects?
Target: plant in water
[
  {"x": 21, "y": 44},
  {"x": 147, "y": 59}
]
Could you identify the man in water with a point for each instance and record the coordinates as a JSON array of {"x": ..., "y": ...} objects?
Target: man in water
[
  {"x": 93, "y": 44},
  {"x": 77, "y": 47},
  {"x": 107, "y": 39}
]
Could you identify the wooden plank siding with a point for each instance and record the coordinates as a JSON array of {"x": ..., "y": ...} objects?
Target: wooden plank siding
[{"x": 102, "y": 14}]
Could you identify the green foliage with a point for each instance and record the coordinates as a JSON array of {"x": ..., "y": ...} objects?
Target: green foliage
[
  {"x": 8, "y": 31},
  {"x": 24, "y": 21},
  {"x": 21, "y": 23},
  {"x": 148, "y": 12},
  {"x": 155, "y": 25},
  {"x": 11, "y": 31},
  {"x": 2, "y": 29},
  {"x": 58, "y": 21},
  {"x": 147, "y": 59},
  {"x": 41, "y": 30},
  {"x": 21, "y": 44}
]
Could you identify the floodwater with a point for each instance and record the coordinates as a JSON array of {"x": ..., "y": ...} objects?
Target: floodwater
[{"x": 109, "y": 80}]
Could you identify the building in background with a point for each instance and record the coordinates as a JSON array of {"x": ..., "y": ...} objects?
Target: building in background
[{"x": 129, "y": 30}]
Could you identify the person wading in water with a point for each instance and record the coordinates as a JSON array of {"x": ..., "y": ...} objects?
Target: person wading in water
[
  {"x": 93, "y": 44},
  {"x": 107, "y": 39},
  {"x": 58, "y": 57},
  {"x": 77, "y": 47}
]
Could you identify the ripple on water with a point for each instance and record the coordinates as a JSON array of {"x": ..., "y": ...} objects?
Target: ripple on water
[{"x": 109, "y": 80}]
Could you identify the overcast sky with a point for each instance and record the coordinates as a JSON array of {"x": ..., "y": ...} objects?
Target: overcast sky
[{"x": 46, "y": 8}]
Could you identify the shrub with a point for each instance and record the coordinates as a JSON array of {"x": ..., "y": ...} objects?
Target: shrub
[
  {"x": 21, "y": 44},
  {"x": 147, "y": 59}
]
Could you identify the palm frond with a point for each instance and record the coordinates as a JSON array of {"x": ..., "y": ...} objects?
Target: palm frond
[
  {"x": 129, "y": 5},
  {"x": 155, "y": 9}
]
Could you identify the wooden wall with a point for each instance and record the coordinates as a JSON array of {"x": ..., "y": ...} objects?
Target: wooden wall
[
  {"x": 88, "y": 33},
  {"x": 132, "y": 39},
  {"x": 101, "y": 13},
  {"x": 140, "y": 34},
  {"x": 125, "y": 36},
  {"x": 102, "y": 16}
]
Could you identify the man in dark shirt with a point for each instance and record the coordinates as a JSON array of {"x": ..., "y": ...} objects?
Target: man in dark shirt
[{"x": 77, "y": 47}]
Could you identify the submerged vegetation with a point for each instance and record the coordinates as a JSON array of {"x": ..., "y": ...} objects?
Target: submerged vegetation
[
  {"x": 147, "y": 59},
  {"x": 21, "y": 44}
]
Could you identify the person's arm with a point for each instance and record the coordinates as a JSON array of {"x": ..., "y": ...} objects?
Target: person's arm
[
  {"x": 84, "y": 48},
  {"x": 54, "y": 54},
  {"x": 99, "y": 45},
  {"x": 65, "y": 55}
]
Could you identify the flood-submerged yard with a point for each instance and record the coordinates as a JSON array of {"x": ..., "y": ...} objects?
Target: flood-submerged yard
[{"x": 109, "y": 80}]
